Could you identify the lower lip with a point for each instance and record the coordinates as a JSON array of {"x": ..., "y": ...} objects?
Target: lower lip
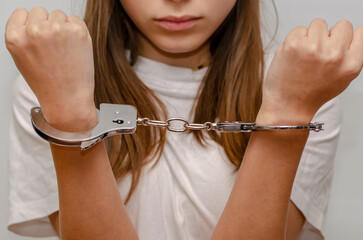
[{"x": 178, "y": 26}]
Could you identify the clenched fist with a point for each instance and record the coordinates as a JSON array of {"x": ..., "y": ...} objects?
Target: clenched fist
[
  {"x": 54, "y": 54},
  {"x": 312, "y": 66}
]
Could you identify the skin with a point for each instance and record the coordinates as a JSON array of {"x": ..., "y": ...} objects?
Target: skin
[
  {"x": 37, "y": 36},
  {"x": 188, "y": 48},
  {"x": 321, "y": 62}
]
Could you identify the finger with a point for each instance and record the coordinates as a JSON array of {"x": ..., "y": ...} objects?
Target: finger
[
  {"x": 356, "y": 45},
  {"x": 17, "y": 18},
  {"x": 79, "y": 24},
  {"x": 57, "y": 15},
  {"x": 299, "y": 31},
  {"x": 318, "y": 29},
  {"x": 342, "y": 33},
  {"x": 295, "y": 35},
  {"x": 37, "y": 14},
  {"x": 76, "y": 19}
]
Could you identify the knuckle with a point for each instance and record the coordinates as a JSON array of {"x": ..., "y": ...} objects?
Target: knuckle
[
  {"x": 291, "y": 46},
  {"x": 13, "y": 39},
  {"x": 353, "y": 69},
  {"x": 334, "y": 57},
  {"x": 55, "y": 27},
  {"x": 35, "y": 30},
  {"x": 312, "y": 50},
  {"x": 44, "y": 30},
  {"x": 77, "y": 29}
]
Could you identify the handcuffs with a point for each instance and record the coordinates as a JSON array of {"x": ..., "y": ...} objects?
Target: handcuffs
[{"x": 115, "y": 119}]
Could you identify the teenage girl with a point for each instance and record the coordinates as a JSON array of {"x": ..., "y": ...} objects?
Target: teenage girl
[{"x": 201, "y": 60}]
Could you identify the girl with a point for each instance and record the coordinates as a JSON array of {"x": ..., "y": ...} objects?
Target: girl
[{"x": 157, "y": 185}]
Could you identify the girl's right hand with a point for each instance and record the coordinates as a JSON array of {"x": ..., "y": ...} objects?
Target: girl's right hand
[
  {"x": 54, "y": 54},
  {"x": 312, "y": 66}
]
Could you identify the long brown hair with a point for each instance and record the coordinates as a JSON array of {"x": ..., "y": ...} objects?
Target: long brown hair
[{"x": 231, "y": 89}]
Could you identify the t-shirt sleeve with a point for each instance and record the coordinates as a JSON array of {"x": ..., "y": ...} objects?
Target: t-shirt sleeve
[
  {"x": 312, "y": 186},
  {"x": 33, "y": 194}
]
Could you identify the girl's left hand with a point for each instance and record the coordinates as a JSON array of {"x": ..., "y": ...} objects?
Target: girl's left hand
[{"x": 312, "y": 66}]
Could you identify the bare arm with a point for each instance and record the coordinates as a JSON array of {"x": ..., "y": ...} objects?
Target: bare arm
[
  {"x": 311, "y": 67},
  {"x": 295, "y": 222},
  {"x": 90, "y": 204},
  {"x": 257, "y": 207},
  {"x": 60, "y": 49}
]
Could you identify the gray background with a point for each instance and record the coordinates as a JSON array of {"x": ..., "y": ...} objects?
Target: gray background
[{"x": 345, "y": 214}]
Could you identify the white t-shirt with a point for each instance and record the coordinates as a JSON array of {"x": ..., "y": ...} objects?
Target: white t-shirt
[{"x": 183, "y": 196}]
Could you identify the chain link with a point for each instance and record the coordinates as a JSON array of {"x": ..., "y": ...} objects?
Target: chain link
[{"x": 177, "y": 124}]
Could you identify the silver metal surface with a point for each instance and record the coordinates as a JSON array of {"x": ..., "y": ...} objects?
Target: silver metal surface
[
  {"x": 116, "y": 119},
  {"x": 112, "y": 119},
  {"x": 177, "y": 124},
  {"x": 182, "y": 125},
  {"x": 316, "y": 127},
  {"x": 234, "y": 127}
]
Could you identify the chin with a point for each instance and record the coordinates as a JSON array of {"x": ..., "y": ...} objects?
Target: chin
[{"x": 179, "y": 46}]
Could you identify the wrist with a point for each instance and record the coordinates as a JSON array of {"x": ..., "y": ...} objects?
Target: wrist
[
  {"x": 78, "y": 120},
  {"x": 281, "y": 115}
]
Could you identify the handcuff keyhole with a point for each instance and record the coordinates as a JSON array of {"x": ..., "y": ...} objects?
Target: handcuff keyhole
[{"x": 118, "y": 121}]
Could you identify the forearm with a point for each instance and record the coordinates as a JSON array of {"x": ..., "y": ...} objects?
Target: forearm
[
  {"x": 258, "y": 205},
  {"x": 90, "y": 205}
]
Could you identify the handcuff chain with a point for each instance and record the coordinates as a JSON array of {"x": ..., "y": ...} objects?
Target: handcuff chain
[
  {"x": 115, "y": 119},
  {"x": 184, "y": 125},
  {"x": 170, "y": 124}
]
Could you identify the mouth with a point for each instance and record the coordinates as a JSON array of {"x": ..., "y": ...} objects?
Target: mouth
[{"x": 173, "y": 23}]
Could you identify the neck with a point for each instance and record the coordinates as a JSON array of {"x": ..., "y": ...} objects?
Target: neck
[{"x": 193, "y": 59}]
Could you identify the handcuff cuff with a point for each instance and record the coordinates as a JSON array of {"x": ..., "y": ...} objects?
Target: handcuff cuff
[{"x": 116, "y": 119}]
